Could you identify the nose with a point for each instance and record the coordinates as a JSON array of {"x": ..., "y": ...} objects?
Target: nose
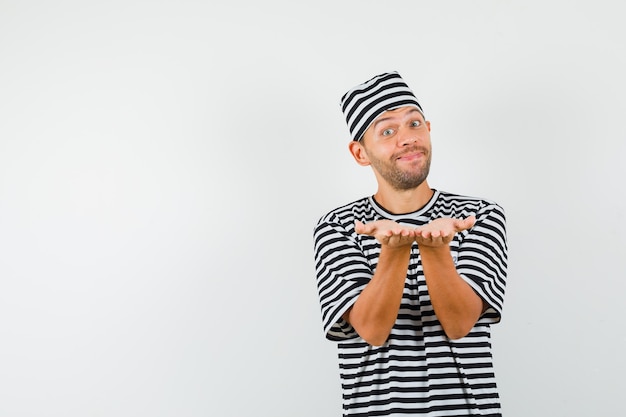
[{"x": 406, "y": 137}]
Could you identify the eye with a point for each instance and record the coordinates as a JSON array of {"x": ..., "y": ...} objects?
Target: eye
[
  {"x": 416, "y": 123},
  {"x": 387, "y": 132}
]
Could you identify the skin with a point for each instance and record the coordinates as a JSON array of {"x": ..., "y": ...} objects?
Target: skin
[{"x": 398, "y": 148}]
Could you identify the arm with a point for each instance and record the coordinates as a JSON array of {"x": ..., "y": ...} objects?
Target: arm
[
  {"x": 456, "y": 304},
  {"x": 376, "y": 309}
]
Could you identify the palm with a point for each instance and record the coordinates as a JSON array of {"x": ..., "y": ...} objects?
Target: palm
[
  {"x": 441, "y": 231},
  {"x": 387, "y": 232}
]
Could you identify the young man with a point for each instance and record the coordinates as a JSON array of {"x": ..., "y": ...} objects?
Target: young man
[{"x": 411, "y": 278}]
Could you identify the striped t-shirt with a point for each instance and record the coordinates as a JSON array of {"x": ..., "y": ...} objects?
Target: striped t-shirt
[{"x": 418, "y": 370}]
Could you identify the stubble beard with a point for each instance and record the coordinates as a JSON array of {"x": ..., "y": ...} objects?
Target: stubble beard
[{"x": 399, "y": 179}]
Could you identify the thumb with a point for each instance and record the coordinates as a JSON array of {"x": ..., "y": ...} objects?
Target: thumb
[
  {"x": 466, "y": 223},
  {"x": 469, "y": 221},
  {"x": 363, "y": 228}
]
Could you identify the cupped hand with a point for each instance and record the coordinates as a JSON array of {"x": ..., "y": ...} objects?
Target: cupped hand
[
  {"x": 441, "y": 231},
  {"x": 387, "y": 232}
]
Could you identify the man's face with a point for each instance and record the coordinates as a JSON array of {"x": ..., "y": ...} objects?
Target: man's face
[{"x": 397, "y": 146}]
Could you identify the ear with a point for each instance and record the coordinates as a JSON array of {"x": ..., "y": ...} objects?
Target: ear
[
  {"x": 358, "y": 153},
  {"x": 428, "y": 124}
]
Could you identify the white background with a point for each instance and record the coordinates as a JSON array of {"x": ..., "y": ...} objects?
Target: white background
[{"x": 162, "y": 165}]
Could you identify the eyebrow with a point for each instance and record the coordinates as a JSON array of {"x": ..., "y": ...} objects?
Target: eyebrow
[{"x": 384, "y": 119}]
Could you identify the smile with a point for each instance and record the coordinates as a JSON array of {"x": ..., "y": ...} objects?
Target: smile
[{"x": 411, "y": 156}]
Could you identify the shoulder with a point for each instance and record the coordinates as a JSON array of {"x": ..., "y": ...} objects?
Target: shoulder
[
  {"x": 334, "y": 231},
  {"x": 347, "y": 213},
  {"x": 448, "y": 201}
]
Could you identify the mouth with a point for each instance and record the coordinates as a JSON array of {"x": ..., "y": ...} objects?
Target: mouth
[{"x": 411, "y": 156}]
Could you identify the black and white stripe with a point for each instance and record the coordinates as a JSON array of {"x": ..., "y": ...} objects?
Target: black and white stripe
[
  {"x": 418, "y": 370},
  {"x": 362, "y": 104}
]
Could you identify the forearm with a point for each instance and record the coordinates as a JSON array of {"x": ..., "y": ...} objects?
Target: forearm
[
  {"x": 376, "y": 309},
  {"x": 456, "y": 305}
]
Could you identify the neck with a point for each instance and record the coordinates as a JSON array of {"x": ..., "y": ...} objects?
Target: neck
[{"x": 404, "y": 201}]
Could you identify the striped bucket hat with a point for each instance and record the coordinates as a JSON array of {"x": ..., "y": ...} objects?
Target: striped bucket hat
[{"x": 362, "y": 104}]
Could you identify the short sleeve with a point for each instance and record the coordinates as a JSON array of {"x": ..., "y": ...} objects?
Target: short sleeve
[
  {"x": 342, "y": 272},
  {"x": 482, "y": 259}
]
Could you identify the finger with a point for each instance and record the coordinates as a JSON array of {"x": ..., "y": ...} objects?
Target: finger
[
  {"x": 364, "y": 229},
  {"x": 471, "y": 221},
  {"x": 464, "y": 224},
  {"x": 393, "y": 240}
]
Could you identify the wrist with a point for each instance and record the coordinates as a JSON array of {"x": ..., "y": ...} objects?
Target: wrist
[
  {"x": 395, "y": 253},
  {"x": 439, "y": 252}
]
